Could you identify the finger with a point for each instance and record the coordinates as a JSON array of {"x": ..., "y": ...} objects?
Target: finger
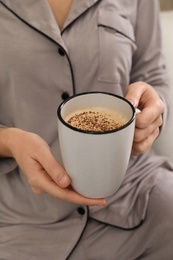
[
  {"x": 44, "y": 184},
  {"x": 69, "y": 195},
  {"x": 148, "y": 116},
  {"x": 144, "y": 97},
  {"x": 141, "y": 134},
  {"x": 134, "y": 93},
  {"x": 53, "y": 168},
  {"x": 37, "y": 191},
  {"x": 144, "y": 145}
]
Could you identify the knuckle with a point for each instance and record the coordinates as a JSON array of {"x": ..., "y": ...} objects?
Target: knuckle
[
  {"x": 137, "y": 138},
  {"x": 33, "y": 181},
  {"x": 160, "y": 105},
  {"x": 37, "y": 191},
  {"x": 138, "y": 148},
  {"x": 139, "y": 135},
  {"x": 141, "y": 123}
]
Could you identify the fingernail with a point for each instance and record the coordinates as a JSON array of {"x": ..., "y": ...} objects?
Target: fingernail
[
  {"x": 63, "y": 180},
  {"x": 132, "y": 102},
  {"x": 102, "y": 203}
]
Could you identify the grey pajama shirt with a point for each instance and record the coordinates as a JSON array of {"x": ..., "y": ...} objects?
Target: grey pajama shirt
[{"x": 104, "y": 45}]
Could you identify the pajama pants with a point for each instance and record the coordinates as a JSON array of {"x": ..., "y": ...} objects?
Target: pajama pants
[{"x": 152, "y": 240}]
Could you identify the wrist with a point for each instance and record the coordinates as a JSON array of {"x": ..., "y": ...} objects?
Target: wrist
[{"x": 9, "y": 138}]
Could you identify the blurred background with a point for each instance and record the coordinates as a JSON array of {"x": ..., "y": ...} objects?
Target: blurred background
[
  {"x": 166, "y": 4},
  {"x": 164, "y": 144}
]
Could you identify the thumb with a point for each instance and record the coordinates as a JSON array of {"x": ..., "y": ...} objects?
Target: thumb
[
  {"x": 53, "y": 168},
  {"x": 58, "y": 174},
  {"x": 134, "y": 92}
]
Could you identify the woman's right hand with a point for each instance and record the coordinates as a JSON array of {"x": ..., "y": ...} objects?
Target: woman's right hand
[{"x": 43, "y": 172}]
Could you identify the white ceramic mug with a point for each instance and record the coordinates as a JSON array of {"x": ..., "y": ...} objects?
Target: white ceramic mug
[{"x": 96, "y": 161}]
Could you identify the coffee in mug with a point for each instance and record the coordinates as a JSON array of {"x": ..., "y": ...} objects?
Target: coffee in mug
[{"x": 96, "y": 119}]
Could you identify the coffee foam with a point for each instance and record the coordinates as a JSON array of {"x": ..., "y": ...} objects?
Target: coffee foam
[{"x": 96, "y": 119}]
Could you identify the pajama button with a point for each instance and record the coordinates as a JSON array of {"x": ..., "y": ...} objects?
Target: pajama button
[
  {"x": 65, "y": 95},
  {"x": 61, "y": 51},
  {"x": 81, "y": 211}
]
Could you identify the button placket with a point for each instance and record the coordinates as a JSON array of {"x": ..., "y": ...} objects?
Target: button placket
[{"x": 65, "y": 61}]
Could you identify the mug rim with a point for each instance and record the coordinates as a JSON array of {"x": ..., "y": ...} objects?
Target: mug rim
[{"x": 62, "y": 104}]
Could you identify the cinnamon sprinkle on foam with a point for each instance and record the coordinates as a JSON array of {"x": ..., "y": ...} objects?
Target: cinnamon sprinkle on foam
[{"x": 95, "y": 121}]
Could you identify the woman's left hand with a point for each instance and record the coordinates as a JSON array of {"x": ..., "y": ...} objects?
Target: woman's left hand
[{"x": 148, "y": 122}]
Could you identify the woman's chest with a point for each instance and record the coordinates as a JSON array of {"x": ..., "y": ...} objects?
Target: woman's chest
[
  {"x": 60, "y": 9},
  {"x": 99, "y": 43}
]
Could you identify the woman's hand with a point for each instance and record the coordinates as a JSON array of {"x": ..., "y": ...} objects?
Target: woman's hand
[
  {"x": 144, "y": 97},
  {"x": 43, "y": 172}
]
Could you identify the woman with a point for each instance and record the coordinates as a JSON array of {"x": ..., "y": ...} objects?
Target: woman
[{"x": 49, "y": 51}]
